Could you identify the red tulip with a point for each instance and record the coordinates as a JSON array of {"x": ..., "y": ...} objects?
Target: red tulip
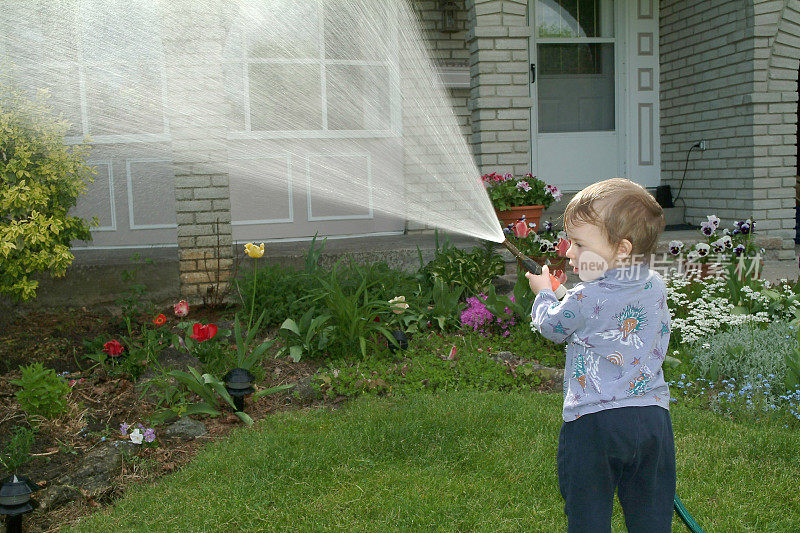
[
  {"x": 562, "y": 247},
  {"x": 113, "y": 348},
  {"x": 203, "y": 333},
  {"x": 521, "y": 229}
]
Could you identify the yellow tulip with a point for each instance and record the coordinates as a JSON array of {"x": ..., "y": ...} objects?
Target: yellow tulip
[{"x": 253, "y": 250}]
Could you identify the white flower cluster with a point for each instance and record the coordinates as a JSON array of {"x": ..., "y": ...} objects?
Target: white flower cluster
[{"x": 707, "y": 313}]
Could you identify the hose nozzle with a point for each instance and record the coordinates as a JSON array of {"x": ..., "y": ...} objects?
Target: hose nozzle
[{"x": 533, "y": 267}]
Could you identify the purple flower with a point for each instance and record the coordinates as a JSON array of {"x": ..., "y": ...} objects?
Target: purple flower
[
  {"x": 123, "y": 428},
  {"x": 707, "y": 228},
  {"x": 548, "y": 226},
  {"x": 745, "y": 228},
  {"x": 149, "y": 435},
  {"x": 739, "y": 250}
]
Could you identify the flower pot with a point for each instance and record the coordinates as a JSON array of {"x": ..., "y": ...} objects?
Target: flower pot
[{"x": 532, "y": 214}]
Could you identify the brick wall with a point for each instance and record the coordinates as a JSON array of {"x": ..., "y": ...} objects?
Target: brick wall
[
  {"x": 728, "y": 76},
  {"x": 197, "y": 114},
  {"x": 499, "y": 99}
]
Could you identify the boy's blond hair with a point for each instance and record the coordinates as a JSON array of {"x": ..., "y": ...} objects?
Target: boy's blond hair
[{"x": 621, "y": 209}]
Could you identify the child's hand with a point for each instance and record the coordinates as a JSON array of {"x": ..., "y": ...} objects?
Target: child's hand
[{"x": 540, "y": 282}]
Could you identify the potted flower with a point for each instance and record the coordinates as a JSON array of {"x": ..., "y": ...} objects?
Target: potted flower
[
  {"x": 726, "y": 248},
  {"x": 546, "y": 246},
  {"x": 514, "y": 197}
]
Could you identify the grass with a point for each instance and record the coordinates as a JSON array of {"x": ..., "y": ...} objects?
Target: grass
[{"x": 456, "y": 461}]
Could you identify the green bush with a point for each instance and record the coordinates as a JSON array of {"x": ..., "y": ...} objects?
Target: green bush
[
  {"x": 42, "y": 392},
  {"x": 17, "y": 450},
  {"x": 40, "y": 180},
  {"x": 746, "y": 350},
  {"x": 473, "y": 270},
  {"x": 280, "y": 293}
]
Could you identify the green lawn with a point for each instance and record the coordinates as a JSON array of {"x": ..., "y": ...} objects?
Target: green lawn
[{"x": 461, "y": 461}]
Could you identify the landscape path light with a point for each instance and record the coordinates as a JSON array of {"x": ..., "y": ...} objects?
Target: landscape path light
[
  {"x": 15, "y": 500},
  {"x": 239, "y": 383}
]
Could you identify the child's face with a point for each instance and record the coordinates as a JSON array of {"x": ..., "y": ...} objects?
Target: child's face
[{"x": 589, "y": 252}]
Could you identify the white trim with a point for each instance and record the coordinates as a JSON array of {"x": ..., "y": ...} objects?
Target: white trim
[
  {"x": 131, "y": 224},
  {"x": 125, "y": 247},
  {"x": 288, "y": 158},
  {"x": 323, "y": 78},
  {"x": 329, "y": 237},
  {"x": 112, "y": 205},
  {"x": 311, "y": 217},
  {"x": 309, "y": 134},
  {"x": 119, "y": 139}
]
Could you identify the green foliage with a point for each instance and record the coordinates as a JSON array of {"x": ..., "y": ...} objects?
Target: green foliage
[
  {"x": 245, "y": 357},
  {"x": 140, "y": 351},
  {"x": 280, "y": 292},
  {"x": 309, "y": 337},
  {"x": 40, "y": 180},
  {"x": 521, "y": 305},
  {"x": 17, "y": 450},
  {"x": 132, "y": 303},
  {"x": 426, "y": 366},
  {"x": 445, "y": 306},
  {"x": 210, "y": 390},
  {"x": 473, "y": 270},
  {"x": 747, "y": 350},
  {"x": 42, "y": 392},
  {"x": 353, "y": 314}
]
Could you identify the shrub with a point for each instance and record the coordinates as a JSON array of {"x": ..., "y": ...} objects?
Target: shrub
[
  {"x": 43, "y": 393},
  {"x": 280, "y": 293},
  {"x": 17, "y": 450},
  {"x": 747, "y": 350},
  {"x": 41, "y": 181},
  {"x": 473, "y": 270}
]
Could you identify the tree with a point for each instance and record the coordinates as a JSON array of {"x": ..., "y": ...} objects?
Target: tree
[{"x": 40, "y": 180}]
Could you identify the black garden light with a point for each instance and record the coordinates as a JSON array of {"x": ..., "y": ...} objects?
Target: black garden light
[
  {"x": 449, "y": 22},
  {"x": 15, "y": 500},
  {"x": 402, "y": 341},
  {"x": 239, "y": 383}
]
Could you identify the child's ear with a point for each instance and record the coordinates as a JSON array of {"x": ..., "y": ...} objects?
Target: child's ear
[{"x": 624, "y": 249}]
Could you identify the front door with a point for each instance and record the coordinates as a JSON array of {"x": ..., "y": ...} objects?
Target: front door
[{"x": 575, "y": 114}]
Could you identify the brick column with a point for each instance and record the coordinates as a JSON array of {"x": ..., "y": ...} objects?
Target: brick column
[
  {"x": 499, "y": 98},
  {"x": 193, "y": 39}
]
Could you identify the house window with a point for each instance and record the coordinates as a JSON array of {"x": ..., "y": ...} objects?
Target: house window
[
  {"x": 311, "y": 69},
  {"x": 100, "y": 61},
  {"x": 575, "y": 59}
]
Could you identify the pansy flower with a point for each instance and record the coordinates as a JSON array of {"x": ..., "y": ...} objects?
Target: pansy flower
[
  {"x": 675, "y": 247},
  {"x": 707, "y": 228},
  {"x": 738, "y": 250},
  {"x": 702, "y": 249},
  {"x": 713, "y": 220}
]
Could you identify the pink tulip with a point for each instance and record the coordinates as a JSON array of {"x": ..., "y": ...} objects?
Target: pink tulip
[
  {"x": 181, "y": 308},
  {"x": 521, "y": 229}
]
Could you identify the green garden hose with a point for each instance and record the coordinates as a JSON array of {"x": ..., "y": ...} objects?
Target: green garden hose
[{"x": 690, "y": 522}]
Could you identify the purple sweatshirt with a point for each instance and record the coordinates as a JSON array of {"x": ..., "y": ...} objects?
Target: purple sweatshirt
[{"x": 617, "y": 331}]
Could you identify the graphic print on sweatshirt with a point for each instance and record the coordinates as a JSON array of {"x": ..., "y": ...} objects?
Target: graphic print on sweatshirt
[{"x": 630, "y": 321}]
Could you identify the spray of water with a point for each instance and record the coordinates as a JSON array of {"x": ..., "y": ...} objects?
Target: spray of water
[{"x": 337, "y": 99}]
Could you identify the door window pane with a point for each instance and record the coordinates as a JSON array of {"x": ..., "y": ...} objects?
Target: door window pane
[
  {"x": 576, "y": 87},
  {"x": 575, "y": 18}
]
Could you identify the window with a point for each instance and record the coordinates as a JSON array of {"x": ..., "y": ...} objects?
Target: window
[
  {"x": 313, "y": 68},
  {"x": 100, "y": 60}
]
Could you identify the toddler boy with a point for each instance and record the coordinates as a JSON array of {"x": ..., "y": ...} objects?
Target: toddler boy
[{"x": 617, "y": 429}]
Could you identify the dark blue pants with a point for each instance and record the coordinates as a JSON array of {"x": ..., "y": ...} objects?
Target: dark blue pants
[{"x": 627, "y": 449}]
